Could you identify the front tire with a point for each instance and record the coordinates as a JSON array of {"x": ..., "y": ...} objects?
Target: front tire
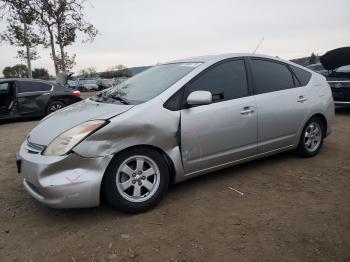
[
  {"x": 136, "y": 180},
  {"x": 311, "y": 139}
]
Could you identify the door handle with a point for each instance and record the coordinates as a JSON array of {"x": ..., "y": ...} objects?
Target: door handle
[
  {"x": 247, "y": 110},
  {"x": 302, "y": 99}
]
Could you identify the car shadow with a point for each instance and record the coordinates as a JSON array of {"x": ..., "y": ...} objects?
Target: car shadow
[
  {"x": 105, "y": 212},
  {"x": 232, "y": 171},
  {"x": 342, "y": 110}
]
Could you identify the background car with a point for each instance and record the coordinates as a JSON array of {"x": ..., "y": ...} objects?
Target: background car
[
  {"x": 318, "y": 68},
  {"x": 27, "y": 97},
  {"x": 72, "y": 84},
  {"x": 338, "y": 62},
  {"x": 87, "y": 85}
]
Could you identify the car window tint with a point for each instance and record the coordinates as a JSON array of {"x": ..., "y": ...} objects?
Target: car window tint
[
  {"x": 302, "y": 75},
  {"x": 33, "y": 86},
  {"x": 225, "y": 81},
  {"x": 4, "y": 88},
  {"x": 271, "y": 76}
]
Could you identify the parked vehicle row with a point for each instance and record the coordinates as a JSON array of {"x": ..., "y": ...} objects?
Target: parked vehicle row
[
  {"x": 173, "y": 122},
  {"x": 29, "y": 98},
  {"x": 90, "y": 85}
]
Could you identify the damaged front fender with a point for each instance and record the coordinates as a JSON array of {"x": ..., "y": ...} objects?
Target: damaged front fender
[{"x": 148, "y": 125}]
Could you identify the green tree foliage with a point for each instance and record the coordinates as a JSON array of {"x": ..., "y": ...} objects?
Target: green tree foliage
[
  {"x": 52, "y": 23},
  {"x": 41, "y": 73},
  {"x": 17, "y": 71},
  {"x": 313, "y": 59},
  {"x": 88, "y": 72},
  {"x": 60, "y": 22},
  {"x": 116, "y": 71},
  {"x": 20, "y": 30}
]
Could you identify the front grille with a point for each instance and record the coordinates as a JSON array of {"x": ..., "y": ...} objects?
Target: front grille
[
  {"x": 339, "y": 84},
  {"x": 34, "y": 148}
]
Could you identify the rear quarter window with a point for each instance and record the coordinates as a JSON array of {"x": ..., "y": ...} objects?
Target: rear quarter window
[{"x": 302, "y": 75}]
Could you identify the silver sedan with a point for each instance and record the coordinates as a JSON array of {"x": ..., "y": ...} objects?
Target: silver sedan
[{"x": 173, "y": 122}]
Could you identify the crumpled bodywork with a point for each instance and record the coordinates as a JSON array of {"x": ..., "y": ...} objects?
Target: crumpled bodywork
[
  {"x": 62, "y": 181},
  {"x": 145, "y": 125},
  {"x": 72, "y": 116}
]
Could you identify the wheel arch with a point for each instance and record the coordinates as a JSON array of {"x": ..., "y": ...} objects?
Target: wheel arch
[
  {"x": 167, "y": 159},
  {"x": 324, "y": 121}
]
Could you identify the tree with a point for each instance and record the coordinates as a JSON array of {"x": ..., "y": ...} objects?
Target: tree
[
  {"x": 41, "y": 73},
  {"x": 116, "y": 71},
  {"x": 17, "y": 71},
  {"x": 88, "y": 72},
  {"x": 20, "y": 31},
  {"x": 312, "y": 59},
  {"x": 61, "y": 21}
]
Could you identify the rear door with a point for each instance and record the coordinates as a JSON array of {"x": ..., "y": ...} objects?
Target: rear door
[
  {"x": 226, "y": 129},
  {"x": 282, "y": 104},
  {"x": 33, "y": 97}
]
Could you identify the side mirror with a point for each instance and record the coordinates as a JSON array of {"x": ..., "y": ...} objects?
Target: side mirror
[{"x": 199, "y": 98}]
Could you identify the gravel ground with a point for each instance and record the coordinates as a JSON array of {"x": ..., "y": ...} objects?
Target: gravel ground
[{"x": 292, "y": 210}]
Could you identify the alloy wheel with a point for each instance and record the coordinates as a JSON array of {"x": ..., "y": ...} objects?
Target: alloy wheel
[
  {"x": 312, "y": 137},
  {"x": 138, "y": 178}
]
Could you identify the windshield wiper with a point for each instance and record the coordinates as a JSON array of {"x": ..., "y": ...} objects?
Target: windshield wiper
[
  {"x": 120, "y": 99},
  {"x": 102, "y": 97}
]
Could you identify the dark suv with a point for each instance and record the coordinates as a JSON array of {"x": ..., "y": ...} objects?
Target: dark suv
[{"x": 338, "y": 62}]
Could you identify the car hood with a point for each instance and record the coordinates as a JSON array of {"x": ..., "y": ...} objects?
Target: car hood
[
  {"x": 336, "y": 58},
  {"x": 62, "y": 120}
]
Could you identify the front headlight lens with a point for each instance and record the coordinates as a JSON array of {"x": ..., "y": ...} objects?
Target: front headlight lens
[{"x": 62, "y": 144}]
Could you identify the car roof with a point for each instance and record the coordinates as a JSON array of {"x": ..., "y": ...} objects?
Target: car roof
[
  {"x": 25, "y": 79},
  {"x": 211, "y": 58}
]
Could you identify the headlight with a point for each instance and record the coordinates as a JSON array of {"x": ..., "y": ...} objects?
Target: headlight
[{"x": 66, "y": 141}]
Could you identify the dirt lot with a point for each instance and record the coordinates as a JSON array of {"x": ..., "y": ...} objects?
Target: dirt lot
[{"x": 292, "y": 210}]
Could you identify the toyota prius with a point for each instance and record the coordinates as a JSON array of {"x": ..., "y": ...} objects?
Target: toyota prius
[{"x": 173, "y": 122}]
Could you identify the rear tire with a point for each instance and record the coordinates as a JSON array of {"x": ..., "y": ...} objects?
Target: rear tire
[
  {"x": 136, "y": 180},
  {"x": 54, "y": 106},
  {"x": 311, "y": 139}
]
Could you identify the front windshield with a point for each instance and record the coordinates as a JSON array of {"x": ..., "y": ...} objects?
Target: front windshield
[{"x": 146, "y": 85}]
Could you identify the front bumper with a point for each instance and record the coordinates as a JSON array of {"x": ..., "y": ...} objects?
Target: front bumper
[
  {"x": 69, "y": 181},
  {"x": 341, "y": 96}
]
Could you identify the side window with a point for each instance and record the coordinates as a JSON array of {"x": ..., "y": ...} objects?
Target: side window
[
  {"x": 302, "y": 75},
  {"x": 271, "y": 76},
  {"x": 225, "y": 81},
  {"x": 33, "y": 86},
  {"x": 4, "y": 88}
]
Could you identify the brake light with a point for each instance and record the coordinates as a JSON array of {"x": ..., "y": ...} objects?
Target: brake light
[{"x": 76, "y": 93}]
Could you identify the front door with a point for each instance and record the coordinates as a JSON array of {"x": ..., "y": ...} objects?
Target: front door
[{"x": 225, "y": 130}]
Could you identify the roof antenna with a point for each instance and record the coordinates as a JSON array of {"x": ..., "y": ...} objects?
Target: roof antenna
[{"x": 262, "y": 40}]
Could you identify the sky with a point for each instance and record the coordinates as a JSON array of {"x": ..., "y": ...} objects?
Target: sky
[{"x": 145, "y": 32}]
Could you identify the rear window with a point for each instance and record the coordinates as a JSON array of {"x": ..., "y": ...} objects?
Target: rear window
[
  {"x": 33, "y": 86},
  {"x": 302, "y": 75}
]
